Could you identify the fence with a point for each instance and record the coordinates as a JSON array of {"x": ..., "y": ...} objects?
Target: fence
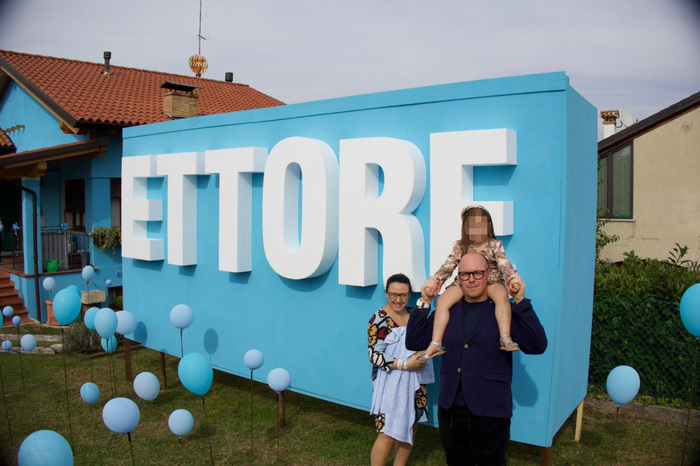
[
  {"x": 650, "y": 337},
  {"x": 64, "y": 249}
]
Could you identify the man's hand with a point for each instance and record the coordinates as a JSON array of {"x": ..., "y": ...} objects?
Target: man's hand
[
  {"x": 516, "y": 287},
  {"x": 416, "y": 362},
  {"x": 429, "y": 290}
]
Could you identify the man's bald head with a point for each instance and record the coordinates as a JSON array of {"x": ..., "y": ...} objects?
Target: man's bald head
[{"x": 474, "y": 290}]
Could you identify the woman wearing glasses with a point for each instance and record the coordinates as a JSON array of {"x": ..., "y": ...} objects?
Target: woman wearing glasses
[{"x": 399, "y": 376}]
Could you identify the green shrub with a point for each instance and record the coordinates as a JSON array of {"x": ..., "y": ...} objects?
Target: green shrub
[
  {"x": 107, "y": 238},
  {"x": 78, "y": 338}
]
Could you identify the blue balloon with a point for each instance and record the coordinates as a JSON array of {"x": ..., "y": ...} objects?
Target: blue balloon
[
  {"x": 109, "y": 344},
  {"x": 90, "y": 317},
  {"x": 195, "y": 373},
  {"x": 622, "y": 384},
  {"x": 6, "y": 345},
  {"x": 279, "y": 379},
  {"x": 7, "y": 311},
  {"x": 75, "y": 289},
  {"x": 16, "y": 320},
  {"x": 181, "y": 316},
  {"x": 180, "y": 422},
  {"x": 147, "y": 386},
  {"x": 90, "y": 393},
  {"x": 121, "y": 415},
  {"x": 88, "y": 273},
  {"x": 28, "y": 342},
  {"x": 49, "y": 283},
  {"x": 108, "y": 282},
  {"x": 106, "y": 322},
  {"x": 690, "y": 309},
  {"x": 44, "y": 447},
  {"x": 66, "y": 306},
  {"x": 126, "y": 322},
  {"x": 253, "y": 359}
]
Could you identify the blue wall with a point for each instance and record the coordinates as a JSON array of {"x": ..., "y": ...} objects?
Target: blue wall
[{"x": 316, "y": 328}]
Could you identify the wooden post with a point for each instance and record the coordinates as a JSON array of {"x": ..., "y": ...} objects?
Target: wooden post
[
  {"x": 546, "y": 456},
  {"x": 163, "y": 380},
  {"x": 281, "y": 409},
  {"x": 579, "y": 422},
  {"x": 127, "y": 359}
]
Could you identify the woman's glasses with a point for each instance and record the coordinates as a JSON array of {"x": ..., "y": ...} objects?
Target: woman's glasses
[{"x": 398, "y": 296}]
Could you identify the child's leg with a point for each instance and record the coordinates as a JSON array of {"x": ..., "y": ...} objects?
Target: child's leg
[
  {"x": 449, "y": 298},
  {"x": 499, "y": 296}
]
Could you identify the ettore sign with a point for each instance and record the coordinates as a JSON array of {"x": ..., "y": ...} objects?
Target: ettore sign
[
  {"x": 279, "y": 226},
  {"x": 342, "y": 209}
]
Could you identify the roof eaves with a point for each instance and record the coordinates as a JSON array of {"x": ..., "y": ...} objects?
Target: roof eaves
[
  {"x": 37, "y": 93},
  {"x": 649, "y": 123}
]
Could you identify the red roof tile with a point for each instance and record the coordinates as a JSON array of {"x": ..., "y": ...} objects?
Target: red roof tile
[
  {"x": 5, "y": 141},
  {"x": 128, "y": 96}
]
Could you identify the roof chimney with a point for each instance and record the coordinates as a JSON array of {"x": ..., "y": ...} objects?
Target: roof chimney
[
  {"x": 229, "y": 77},
  {"x": 107, "y": 56},
  {"x": 609, "y": 121},
  {"x": 180, "y": 101}
]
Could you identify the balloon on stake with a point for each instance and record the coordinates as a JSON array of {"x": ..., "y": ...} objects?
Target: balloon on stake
[
  {"x": 16, "y": 321},
  {"x": 109, "y": 344},
  {"x": 196, "y": 374},
  {"x": 75, "y": 289},
  {"x": 7, "y": 311},
  {"x": 66, "y": 306},
  {"x": 126, "y": 322},
  {"x": 180, "y": 423},
  {"x": 121, "y": 415},
  {"x": 108, "y": 283},
  {"x": 88, "y": 273},
  {"x": 89, "y": 317},
  {"x": 44, "y": 447},
  {"x": 181, "y": 316},
  {"x": 147, "y": 386},
  {"x": 106, "y": 322},
  {"x": 6, "y": 345},
  {"x": 690, "y": 315},
  {"x": 49, "y": 284},
  {"x": 253, "y": 359},
  {"x": 90, "y": 393},
  {"x": 28, "y": 342},
  {"x": 622, "y": 384},
  {"x": 279, "y": 380}
]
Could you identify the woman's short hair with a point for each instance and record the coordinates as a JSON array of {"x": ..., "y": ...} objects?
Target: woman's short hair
[{"x": 398, "y": 278}]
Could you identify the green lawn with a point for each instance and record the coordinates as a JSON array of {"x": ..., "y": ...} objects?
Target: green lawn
[{"x": 317, "y": 432}]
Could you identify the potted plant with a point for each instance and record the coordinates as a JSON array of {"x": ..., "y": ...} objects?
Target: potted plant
[{"x": 107, "y": 238}]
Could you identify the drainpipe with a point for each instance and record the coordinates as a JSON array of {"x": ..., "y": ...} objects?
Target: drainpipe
[{"x": 36, "y": 247}]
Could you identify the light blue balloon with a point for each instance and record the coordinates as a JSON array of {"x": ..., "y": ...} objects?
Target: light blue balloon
[
  {"x": 90, "y": 317},
  {"x": 16, "y": 320},
  {"x": 75, "y": 289},
  {"x": 49, "y": 283},
  {"x": 180, "y": 422},
  {"x": 121, "y": 415},
  {"x": 195, "y": 373},
  {"x": 108, "y": 282},
  {"x": 279, "y": 379},
  {"x": 109, "y": 345},
  {"x": 147, "y": 386},
  {"x": 6, "y": 345},
  {"x": 253, "y": 359},
  {"x": 90, "y": 393},
  {"x": 66, "y": 306},
  {"x": 106, "y": 322},
  {"x": 126, "y": 322},
  {"x": 690, "y": 309},
  {"x": 7, "y": 311},
  {"x": 45, "y": 447},
  {"x": 28, "y": 342},
  {"x": 622, "y": 384},
  {"x": 88, "y": 273},
  {"x": 181, "y": 316}
]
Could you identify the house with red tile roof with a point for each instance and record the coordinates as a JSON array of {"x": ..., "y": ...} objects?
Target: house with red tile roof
[{"x": 60, "y": 150}]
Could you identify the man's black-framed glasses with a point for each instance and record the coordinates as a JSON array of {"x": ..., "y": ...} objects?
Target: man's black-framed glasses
[
  {"x": 477, "y": 274},
  {"x": 398, "y": 296}
]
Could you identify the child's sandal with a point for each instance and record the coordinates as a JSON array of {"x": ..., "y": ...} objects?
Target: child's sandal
[
  {"x": 508, "y": 346},
  {"x": 441, "y": 350}
]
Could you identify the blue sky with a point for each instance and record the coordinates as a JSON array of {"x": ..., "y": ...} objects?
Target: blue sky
[{"x": 642, "y": 55}]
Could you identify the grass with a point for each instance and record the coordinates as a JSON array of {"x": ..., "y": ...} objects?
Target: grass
[{"x": 316, "y": 432}]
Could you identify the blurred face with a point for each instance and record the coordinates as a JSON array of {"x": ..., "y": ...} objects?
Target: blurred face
[
  {"x": 471, "y": 266},
  {"x": 397, "y": 296},
  {"x": 477, "y": 228}
]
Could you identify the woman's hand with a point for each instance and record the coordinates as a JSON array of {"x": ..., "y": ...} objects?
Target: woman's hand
[{"x": 416, "y": 362}]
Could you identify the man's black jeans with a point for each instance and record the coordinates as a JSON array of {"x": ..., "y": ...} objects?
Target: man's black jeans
[{"x": 469, "y": 439}]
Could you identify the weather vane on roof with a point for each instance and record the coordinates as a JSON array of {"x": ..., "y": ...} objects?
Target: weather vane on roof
[{"x": 198, "y": 64}]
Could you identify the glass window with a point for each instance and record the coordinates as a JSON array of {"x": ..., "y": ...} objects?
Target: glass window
[{"x": 615, "y": 182}]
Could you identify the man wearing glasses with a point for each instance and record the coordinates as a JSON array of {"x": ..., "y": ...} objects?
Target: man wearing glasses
[{"x": 475, "y": 402}]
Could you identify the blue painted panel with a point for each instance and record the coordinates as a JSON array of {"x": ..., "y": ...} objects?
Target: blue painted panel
[
  {"x": 316, "y": 328},
  {"x": 41, "y": 128}
]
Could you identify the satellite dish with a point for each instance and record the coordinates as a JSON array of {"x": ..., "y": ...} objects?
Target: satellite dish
[{"x": 626, "y": 117}]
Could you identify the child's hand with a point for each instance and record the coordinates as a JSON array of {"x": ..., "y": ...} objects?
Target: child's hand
[
  {"x": 431, "y": 287},
  {"x": 514, "y": 283}
]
